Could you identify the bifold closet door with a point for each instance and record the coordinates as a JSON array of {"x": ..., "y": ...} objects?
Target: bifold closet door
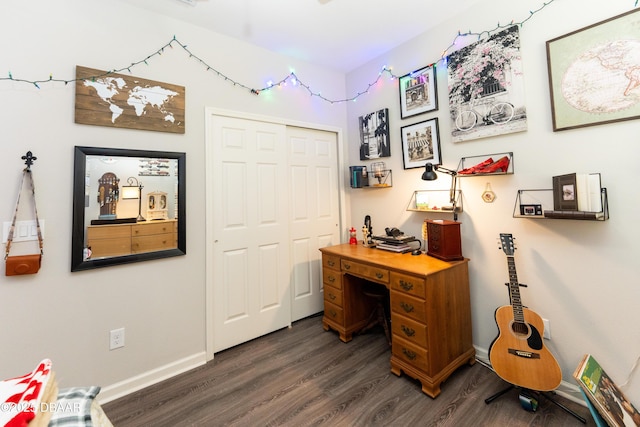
[
  {"x": 314, "y": 213},
  {"x": 252, "y": 296}
]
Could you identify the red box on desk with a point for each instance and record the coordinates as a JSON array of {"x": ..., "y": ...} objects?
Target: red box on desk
[{"x": 443, "y": 239}]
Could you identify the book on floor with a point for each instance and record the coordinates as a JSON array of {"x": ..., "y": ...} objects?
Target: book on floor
[{"x": 612, "y": 405}]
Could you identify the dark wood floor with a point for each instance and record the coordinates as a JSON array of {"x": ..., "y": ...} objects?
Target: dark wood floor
[{"x": 304, "y": 376}]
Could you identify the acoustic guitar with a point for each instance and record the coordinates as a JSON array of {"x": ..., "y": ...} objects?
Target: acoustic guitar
[{"x": 518, "y": 354}]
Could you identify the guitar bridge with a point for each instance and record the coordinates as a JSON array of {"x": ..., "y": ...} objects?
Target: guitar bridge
[{"x": 526, "y": 354}]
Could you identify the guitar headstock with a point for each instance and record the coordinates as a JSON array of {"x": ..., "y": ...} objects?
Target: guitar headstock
[{"x": 507, "y": 245}]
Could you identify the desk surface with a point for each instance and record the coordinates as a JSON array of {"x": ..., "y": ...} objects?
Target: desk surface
[{"x": 422, "y": 265}]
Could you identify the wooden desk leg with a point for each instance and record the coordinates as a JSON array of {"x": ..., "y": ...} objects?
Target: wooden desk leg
[{"x": 344, "y": 336}]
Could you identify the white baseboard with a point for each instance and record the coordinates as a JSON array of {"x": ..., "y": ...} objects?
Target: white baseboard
[
  {"x": 565, "y": 389},
  {"x": 122, "y": 388}
]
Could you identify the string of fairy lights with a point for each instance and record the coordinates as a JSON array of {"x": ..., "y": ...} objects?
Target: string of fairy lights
[{"x": 290, "y": 78}]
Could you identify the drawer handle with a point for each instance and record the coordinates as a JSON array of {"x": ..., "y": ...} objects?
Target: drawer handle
[
  {"x": 331, "y": 263},
  {"x": 331, "y": 279},
  {"x": 379, "y": 275},
  {"x": 406, "y": 285},
  {"x": 408, "y": 331},
  {"x": 332, "y": 296},
  {"x": 410, "y": 354},
  {"x": 332, "y": 313},
  {"x": 406, "y": 307},
  {"x": 347, "y": 266}
]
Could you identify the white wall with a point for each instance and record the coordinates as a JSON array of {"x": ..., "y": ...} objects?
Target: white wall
[
  {"x": 67, "y": 316},
  {"x": 582, "y": 275}
]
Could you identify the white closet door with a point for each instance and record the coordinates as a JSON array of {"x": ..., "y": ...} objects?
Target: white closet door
[
  {"x": 313, "y": 214},
  {"x": 250, "y": 248}
]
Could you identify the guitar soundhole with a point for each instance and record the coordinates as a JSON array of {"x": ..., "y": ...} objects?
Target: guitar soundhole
[{"x": 521, "y": 330}]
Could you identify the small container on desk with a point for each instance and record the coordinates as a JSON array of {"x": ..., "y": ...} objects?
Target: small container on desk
[{"x": 444, "y": 240}]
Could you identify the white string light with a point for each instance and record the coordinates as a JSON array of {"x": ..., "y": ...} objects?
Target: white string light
[{"x": 291, "y": 77}]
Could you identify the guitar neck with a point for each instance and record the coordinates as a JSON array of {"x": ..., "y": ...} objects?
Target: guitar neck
[{"x": 514, "y": 291}]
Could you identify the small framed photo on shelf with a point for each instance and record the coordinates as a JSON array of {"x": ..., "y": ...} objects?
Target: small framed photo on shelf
[
  {"x": 421, "y": 144},
  {"x": 418, "y": 92},
  {"x": 565, "y": 196}
]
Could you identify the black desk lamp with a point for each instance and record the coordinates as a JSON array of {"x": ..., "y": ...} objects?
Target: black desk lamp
[{"x": 430, "y": 175}]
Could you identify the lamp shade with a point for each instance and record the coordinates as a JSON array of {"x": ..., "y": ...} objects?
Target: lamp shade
[
  {"x": 429, "y": 174},
  {"x": 129, "y": 192}
]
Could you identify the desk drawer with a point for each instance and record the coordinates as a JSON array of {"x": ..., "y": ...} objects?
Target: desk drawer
[
  {"x": 332, "y": 278},
  {"x": 333, "y": 295},
  {"x": 331, "y": 261},
  {"x": 117, "y": 246},
  {"x": 410, "y": 353},
  {"x": 412, "y": 285},
  {"x": 409, "y": 306},
  {"x": 108, "y": 232},
  {"x": 365, "y": 271},
  {"x": 153, "y": 242},
  {"x": 150, "y": 228},
  {"x": 409, "y": 329},
  {"x": 333, "y": 313}
]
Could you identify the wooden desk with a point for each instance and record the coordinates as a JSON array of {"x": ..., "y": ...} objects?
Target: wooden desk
[{"x": 430, "y": 308}]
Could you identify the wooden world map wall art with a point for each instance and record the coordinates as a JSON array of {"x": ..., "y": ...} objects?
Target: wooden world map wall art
[{"x": 124, "y": 101}]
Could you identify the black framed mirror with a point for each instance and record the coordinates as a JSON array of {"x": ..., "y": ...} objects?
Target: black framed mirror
[{"x": 128, "y": 206}]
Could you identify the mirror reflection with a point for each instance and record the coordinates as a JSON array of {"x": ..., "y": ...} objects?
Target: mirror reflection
[{"x": 127, "y": 206}]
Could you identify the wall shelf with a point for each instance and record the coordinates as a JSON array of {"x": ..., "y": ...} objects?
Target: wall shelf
[
  {"x": 436, "y": 201},
  {"x": 380, "y": 179},
  {"x": 467, "y": 163},
  {"x": 361, "y": 177},
  {"x": 538, "y": 204}
]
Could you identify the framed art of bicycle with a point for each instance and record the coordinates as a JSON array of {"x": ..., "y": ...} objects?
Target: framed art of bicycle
[
  {"x": 421, "y": 144},
  {"x": 593, "y": 73},
  {"x": 486, "y": 88},
  {"x": 418, "y": 92}
]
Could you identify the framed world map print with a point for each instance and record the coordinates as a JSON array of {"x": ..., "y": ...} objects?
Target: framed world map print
[
  {"x": 594, "y": 73},
  {"x": 104, "y": 98}
]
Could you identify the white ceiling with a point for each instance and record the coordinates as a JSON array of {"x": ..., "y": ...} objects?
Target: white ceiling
[{"x": 339, "y": 34}]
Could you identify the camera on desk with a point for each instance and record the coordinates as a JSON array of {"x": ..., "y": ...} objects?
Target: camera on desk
[{"x": 393, "y": 232}]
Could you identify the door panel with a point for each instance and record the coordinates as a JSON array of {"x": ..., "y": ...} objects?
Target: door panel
[
  {"x": 250, "y": 230},
  {"x": 235, "y": 267},
  {"x": 314, "y": 217}
]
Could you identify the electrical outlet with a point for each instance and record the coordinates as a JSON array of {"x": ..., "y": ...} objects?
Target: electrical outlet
[
  {"x": 116, "y": 338},
  {"x": 547, "y": 329}
]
